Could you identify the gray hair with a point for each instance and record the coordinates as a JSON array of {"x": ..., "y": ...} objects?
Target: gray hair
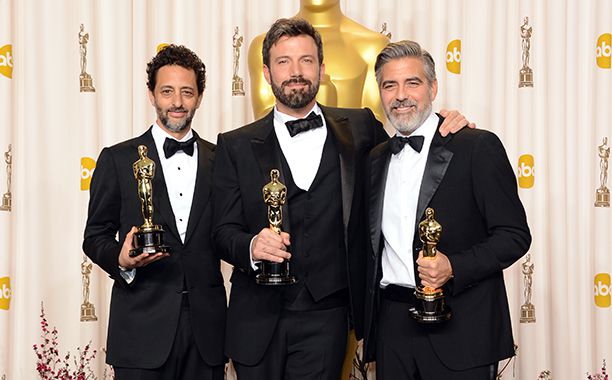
[{"x": 403, "y": 49}]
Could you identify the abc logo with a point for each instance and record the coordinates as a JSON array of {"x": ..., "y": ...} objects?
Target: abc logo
[
  {"x": 5, "y": 293},
  {"x": 453, "y": 57},
  {"x": 601, "y": 289},
  {"x": 87, "y": 168},
  {"x": 604, "y": 51},
  {"x": 526, "y": 171},
  {"x": 6, "y": 61}
]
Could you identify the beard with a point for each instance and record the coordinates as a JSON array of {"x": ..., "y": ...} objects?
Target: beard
[
  {"x": 174, "y": 127},
  {"x": 407, "y": 123},
  {"x": 297, "y": 98}
]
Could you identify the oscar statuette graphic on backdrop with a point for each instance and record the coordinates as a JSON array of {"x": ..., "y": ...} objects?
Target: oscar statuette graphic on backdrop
[
  {"x": 7, "y": 198},
  {"x": 527, "y": 309},
  {"x": 602, "y": 195},
  {"x": 85, "y": 80},
  {"x": 526, "y": 74},
  {"x": 88, "y": 310},
  {"x": 237, "y": 82}
]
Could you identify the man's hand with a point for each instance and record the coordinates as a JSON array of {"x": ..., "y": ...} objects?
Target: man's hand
[
  {"x": 434, "y": 272},
  {"x": 139, "y": 261},
  {"x": 270, "y": 246},
  {"x": 453, "y": 122}
]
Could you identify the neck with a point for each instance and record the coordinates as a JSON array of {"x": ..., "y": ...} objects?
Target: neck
[{"x": 322, "y": 13}]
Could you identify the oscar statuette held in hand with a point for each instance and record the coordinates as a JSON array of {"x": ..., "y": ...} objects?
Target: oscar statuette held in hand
[
  {"x": 275, "y": 196},
  {"x": 150, "y": 237},
  {"x": 430, "y": 306}
]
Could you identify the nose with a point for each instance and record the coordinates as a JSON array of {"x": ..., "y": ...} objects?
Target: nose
[
  {"x": 177, "y": 100},
  {"x": 402, "y": 93},
  {"x": 295, "y": 70}
]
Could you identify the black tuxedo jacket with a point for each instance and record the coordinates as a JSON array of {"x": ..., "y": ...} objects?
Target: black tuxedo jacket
[
  {"x": 470, "y": 184},
  {"x": 244, "y": 159},
  {"x": 144, "y": 314}
]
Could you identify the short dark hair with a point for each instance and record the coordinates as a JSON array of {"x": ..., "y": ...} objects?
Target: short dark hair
[
  {"x": 291, "y": 27},
  {"x": 403, "y": 49},
  {"x": 176, "y": 55}
]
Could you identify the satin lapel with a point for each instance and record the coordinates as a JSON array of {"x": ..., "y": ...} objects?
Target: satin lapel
[
  {"x": 378, "y": 179},
  {"x": 438, "y": 160},
  {"x": 267, "y": 153},
  {"x": 202, "y": 188},
  {"x": 161, "y": 202},
  {"x": 343, "y": 136}
]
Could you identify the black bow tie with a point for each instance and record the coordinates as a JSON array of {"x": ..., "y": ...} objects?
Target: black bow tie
[
  {"x": 172, "y": 146},
  {"x": 302, "y": 125},
  {"x": 396, "y": 144}
]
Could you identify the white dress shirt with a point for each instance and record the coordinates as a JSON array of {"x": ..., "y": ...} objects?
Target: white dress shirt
[
  {"x": 303, "y": 151},
  {"x": 180, "y": 172},
  {"x": 400, "y": 206}
]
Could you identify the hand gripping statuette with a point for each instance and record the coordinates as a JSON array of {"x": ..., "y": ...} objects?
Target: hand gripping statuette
[
  {"x": 275, "y": 196},
  {"x": 150, "y": 237},
  {"x": 430, "y": 306}
]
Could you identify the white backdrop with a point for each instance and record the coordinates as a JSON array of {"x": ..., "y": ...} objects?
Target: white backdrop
[{"x": 51, "y": 126}]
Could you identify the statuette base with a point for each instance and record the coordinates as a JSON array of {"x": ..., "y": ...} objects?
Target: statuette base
[
  {"x": 430, "y": 306},
  {"x": 526, "y": 77},
  {"x": 88, "y": 312},
  {"x": 528, "y": 313},
  {"x": 602, "y": 197},
  {"x": 149, "y": 240},
  {"x": 275, "y": 274},
  {"x": 6, "y": 202},
  {"x": 86, "y": 83}
]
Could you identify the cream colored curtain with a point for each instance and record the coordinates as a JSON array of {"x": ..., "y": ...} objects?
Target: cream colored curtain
[{"x": 56, "y": 131}]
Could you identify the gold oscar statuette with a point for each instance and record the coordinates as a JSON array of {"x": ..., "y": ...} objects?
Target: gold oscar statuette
[
  {"x": 430, "y": 306},
  {"x": 527, "y": 309},
  {"x": 275, "y": 196},
  {"x": 150, "y": 237},
  {"x": 237, "y": 82},
  {"x": 526, "y": 74},
  {"x": 85, "y": 80},
  {"x": 7, "y": 198},
  {"x": 602, "y": 195},
  {"x": 88, "y": 310}
]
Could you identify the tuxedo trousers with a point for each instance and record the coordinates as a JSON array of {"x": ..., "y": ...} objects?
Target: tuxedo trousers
[
  {"x": 184, "y": 361},
  {"x": 404, "y": 351},
  {"x": 306, "y": 345}
]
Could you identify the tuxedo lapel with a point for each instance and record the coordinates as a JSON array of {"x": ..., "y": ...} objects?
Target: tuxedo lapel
[
  {"x": 378, "y": 179},
  {"x": 266, "y": 150},
  {"x": 438, "y": 160},
  {"x": 161, "y": 202},
  {"x": 202, "y": 188},
  {"x": 343, "y": 137}
]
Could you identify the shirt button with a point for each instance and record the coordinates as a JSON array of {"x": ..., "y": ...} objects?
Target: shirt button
[
  {"x": 179, "y": 168},
  {"x": 181, "y": 194}
]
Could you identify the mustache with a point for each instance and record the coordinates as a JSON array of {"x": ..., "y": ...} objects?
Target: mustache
[
  {"x": 403, "y": 103},
  {"x": 297, "y": 80},
  {"x": 176, "y": 109}
]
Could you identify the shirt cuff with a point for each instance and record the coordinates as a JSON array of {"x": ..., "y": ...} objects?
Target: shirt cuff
[
  {"x": 127, "y": 274},
  {"x": 253, "y": 262}
]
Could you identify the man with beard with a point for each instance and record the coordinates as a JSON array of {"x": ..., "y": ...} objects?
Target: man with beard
[
  {"x": 468, "y": 181},
  {"x": 295, "y": 331},
  {"x": 167, "y": 313}
]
